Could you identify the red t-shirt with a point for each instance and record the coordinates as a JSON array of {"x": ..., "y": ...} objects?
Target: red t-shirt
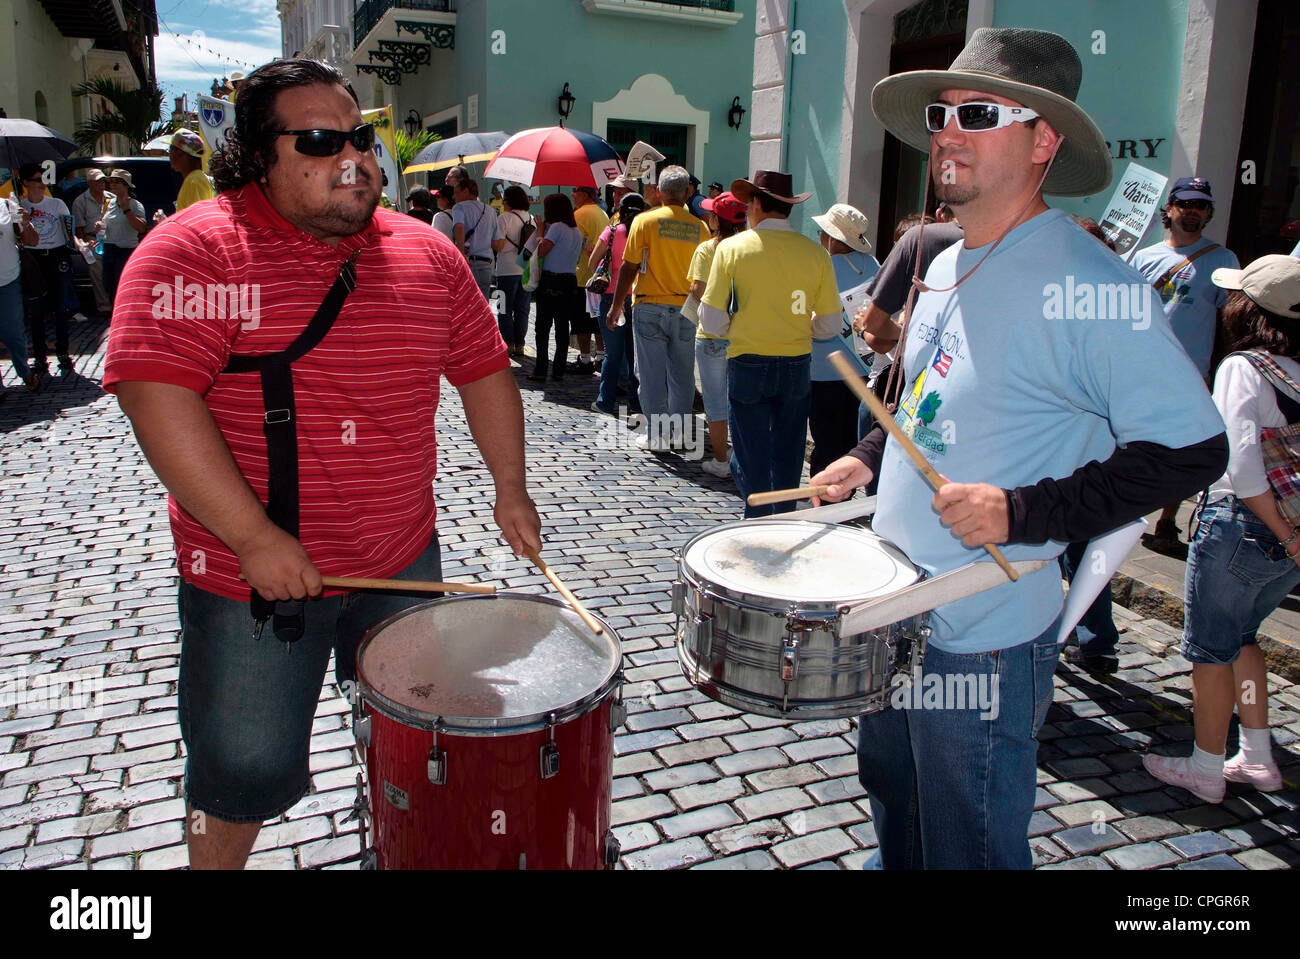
[{"x": 234, "y": 276}]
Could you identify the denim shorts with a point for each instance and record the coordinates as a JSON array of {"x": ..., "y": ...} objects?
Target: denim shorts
[
  {"x": 711, "y": 357},
  {"x": 246, "y": 707},
  {"x": 1232, "y": 583}
]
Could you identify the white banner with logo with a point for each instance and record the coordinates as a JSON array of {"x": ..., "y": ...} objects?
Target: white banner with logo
[{"x": 216, "y": 119}]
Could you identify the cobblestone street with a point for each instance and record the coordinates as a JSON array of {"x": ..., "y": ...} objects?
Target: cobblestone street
[{"x": 89, "y": 586}]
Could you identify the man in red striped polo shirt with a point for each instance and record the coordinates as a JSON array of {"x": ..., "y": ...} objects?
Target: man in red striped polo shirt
[{"x": 244, "y": 276}]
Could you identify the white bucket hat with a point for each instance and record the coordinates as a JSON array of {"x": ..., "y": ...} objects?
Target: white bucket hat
[
  {"x": 1272, "y": 282},
  {"x": 847, "y": 224}
]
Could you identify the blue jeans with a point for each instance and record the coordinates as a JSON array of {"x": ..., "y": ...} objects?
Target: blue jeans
[
  {"x": 953, "y": 788},
  {"x": 770, "y": 397},
  {"x": 1232, "y": 582},
  {"x": 13, "y": 332},
  {"x": 246, "y": 706},
  {"x": 665, "y": 355},
  {"x": 1096, "y": 631},
  {"x": 619, "y": 353},
  {"x": 711, "y": 358},
  {"x": 512, "y": 318},
  {"x": 115, "y": 258}
]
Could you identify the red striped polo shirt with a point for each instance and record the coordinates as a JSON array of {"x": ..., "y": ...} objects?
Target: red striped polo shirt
[{"x": 231, "y": 275}]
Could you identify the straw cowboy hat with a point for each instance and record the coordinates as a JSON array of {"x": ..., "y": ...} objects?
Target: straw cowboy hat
[
  {"x": 1034, "y": 68},
  {"x": 846, "y": 224}
]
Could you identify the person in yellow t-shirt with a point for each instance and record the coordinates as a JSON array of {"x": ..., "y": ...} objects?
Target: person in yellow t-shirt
[
  {"x": 784, "y": 291},
  {"x": 187, "y": 159},
  {"x": 591, "y": 220},
  {"x": 656, "y": 261},
  {"x": 728, "y": 216}
]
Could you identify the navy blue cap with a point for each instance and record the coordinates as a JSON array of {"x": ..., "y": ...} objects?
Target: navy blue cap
[{"x": 1191, "y": 188}]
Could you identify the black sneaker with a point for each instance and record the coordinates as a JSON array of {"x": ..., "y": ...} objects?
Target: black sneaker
[
  {"x": 1106, "y": 665},
  {"x": 66, "y": 367}
]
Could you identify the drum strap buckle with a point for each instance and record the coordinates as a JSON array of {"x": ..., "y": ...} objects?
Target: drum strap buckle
[{"x": 550, "y": 754}]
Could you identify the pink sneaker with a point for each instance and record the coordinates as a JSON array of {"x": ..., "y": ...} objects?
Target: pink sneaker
[
  {"x": 1267, "y": 779},
  {"x": 1177, "y": 771}
]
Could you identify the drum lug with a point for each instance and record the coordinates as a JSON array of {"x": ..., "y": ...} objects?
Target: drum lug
[
  {"x": 437, "y": 761},
  {"x": 617, "y": 710},
  {"x": 361, "y": 729},
  {"x": 703, "y": 636},
  {"x": 550, "y": 753},
  {"x": 613, "y": 849},
  {"x": 679, "y": 598},
  {"x": 790, "y": 658}
]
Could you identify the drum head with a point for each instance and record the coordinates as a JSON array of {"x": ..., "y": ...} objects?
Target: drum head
[
  {"x": 799, "y": 562},
  {"x": 487, "y": 661}
]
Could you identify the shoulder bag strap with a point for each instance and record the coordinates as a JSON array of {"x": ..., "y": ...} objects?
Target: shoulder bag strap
[{"x": 1186, "y": 261}]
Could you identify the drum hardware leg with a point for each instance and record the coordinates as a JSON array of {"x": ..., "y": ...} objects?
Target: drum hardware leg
[
  {"x": 613, "y": 850},
  {"x": 550, "y": 754},
  {"x": 361, "y": 813},
  {"x": 437, "y": 762}
]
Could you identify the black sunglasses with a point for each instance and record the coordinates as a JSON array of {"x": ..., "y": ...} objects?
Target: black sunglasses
[
  {"x": 1193, "y": 204},
  {"x": 328, "y": 143}
]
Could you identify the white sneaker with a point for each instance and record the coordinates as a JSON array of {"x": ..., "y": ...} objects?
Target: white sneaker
[
  {"x": 1265, "y": 778},
  {"x": 643, "y": 442},
  {"x": 722, "y": 470},
  {"x": 1178, "y": 771},
  {"x": 79, "y": 317}
]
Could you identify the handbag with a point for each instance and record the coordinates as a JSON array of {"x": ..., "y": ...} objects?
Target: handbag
[
  {"x": 1280, "y": 445},
  {"x": 602, "y": 278}
]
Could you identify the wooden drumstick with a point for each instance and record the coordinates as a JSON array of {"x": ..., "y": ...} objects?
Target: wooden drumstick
[
  {"x": 401, "y": 585},
  {"x": 851, "y": 377},
  {"x": 564, "y": 591},
  {"x": 786, "y": 495}
]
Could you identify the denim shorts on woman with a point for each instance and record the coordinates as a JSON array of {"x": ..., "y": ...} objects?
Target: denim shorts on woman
[
  {"x": 246, "y": 706},
  {"x": 1232, "y": 583},
  {"x": 711, "y": 357}
]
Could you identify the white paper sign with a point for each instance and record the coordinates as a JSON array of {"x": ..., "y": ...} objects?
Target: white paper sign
[
  {"x": 1100, "y": 561},
  {"x": 854, "y": 300},
  {"x": 1131, "y": 208},
  {"x": 641, "y": 160}
]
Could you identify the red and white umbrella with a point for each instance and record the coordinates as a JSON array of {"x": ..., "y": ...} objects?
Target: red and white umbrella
[{"x": 555, "y": 156}]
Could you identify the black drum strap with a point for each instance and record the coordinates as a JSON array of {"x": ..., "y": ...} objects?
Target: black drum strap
[{"x": 280, "y": 426}]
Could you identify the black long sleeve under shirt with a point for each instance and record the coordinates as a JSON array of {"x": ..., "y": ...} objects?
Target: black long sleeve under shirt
[{"x": 1097, "y": 497}]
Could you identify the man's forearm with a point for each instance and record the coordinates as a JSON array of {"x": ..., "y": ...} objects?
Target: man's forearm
[
  {"x": 187, "y": 451},
  {"x": 1099, "y": 497},
  {"x": 495, "y": 414},
  {"x": 626, "y": 276}
]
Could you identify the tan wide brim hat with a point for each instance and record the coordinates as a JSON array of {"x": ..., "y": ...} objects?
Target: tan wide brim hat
[
  {"x": 1033, "y": 68},
  {"x": 847, "y": 224}
]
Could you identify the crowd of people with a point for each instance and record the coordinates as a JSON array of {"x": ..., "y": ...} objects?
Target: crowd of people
[{"x": 45, "y": 228}]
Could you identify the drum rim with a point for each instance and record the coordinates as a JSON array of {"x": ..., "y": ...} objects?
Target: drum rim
[
  {"x": 487, "y": 726},
  {"x": 701, "y": 581}
]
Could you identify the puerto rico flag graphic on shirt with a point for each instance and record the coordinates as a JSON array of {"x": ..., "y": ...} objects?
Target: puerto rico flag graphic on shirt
[{"x": 942, "y": 361}]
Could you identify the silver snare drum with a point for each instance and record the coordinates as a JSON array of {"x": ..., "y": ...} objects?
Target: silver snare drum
[{"x": 760, "y": 607}]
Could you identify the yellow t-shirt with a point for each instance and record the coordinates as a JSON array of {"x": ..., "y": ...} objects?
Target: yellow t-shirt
[
  {"x": 663, "y": 241},
  {"x": 782, "y": 279},
  {"x": 701, "y": 264},
  {"x": 194, "y": 188},
  {"x": 591, "y": 221}
]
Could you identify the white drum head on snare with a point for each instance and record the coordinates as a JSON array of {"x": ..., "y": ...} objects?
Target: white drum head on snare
[
  {"x": 800, "y": 562},
  {"x": 487, "y": 659}
]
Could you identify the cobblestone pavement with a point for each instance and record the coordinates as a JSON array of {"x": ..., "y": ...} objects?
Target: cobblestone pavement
[{"x": 88, "y": 586}]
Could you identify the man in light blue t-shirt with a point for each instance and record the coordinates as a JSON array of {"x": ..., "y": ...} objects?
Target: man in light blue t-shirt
[
  {"x": 1046, "y": 387},
  {"x": 1180, "y": 268},
  {"x": 474, "y": 228}
]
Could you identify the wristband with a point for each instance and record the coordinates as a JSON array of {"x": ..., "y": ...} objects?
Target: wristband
[
  {"x": 1289, "y": 554},
  {"x": 1295, "y": 531}
]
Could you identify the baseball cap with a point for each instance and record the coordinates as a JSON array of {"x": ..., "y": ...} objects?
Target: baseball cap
[
  {"x": 1191, "y": 188},
  {"x": 1272, "y": 282},
  {"x": 591, "y": 191},
  {"x": 94, "y": 173},
  {"x": 187, "y": 141},
  {"x": 726, "y": 207}
]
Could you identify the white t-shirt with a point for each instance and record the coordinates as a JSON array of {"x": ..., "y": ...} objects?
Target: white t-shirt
[
  {"x": 510, "y": 227},
  {"x": 48, "y": 221},
  {"x": 443, "y": 223},
  {"x": 1248, "y": 403},
  {"x": 11, "y": 214}
]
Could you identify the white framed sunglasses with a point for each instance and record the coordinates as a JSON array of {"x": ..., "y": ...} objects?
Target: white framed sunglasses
[{"x": 976, "y": 117}]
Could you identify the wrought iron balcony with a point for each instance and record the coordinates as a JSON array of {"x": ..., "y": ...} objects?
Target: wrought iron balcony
[{"x": 369, "y": 12}]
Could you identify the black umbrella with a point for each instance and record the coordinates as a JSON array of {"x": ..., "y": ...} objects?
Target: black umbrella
[{"x": 26, "y": 141}]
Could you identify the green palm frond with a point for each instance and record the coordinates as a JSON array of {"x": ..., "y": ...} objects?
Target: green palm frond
[
  {"x": 134, "y": 114},
  {"x": 409, "y": 147}
]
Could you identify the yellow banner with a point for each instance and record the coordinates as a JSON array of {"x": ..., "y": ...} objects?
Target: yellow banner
[{"x": 386, "y": 151}]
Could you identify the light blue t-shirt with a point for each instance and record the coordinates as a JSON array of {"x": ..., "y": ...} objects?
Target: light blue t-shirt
[
  {"x": 563, "y": 257},
  {"x": 480, "y": 218},
  {"x": 1191, "y": 300},
  {"x": 851, "y": 269},
  {"x": 1010, "y": 380}
]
